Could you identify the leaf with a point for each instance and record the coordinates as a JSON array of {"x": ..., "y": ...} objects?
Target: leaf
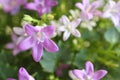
[
  {"x": 6, "y": 70},
  {"x": 111, "y": 36},
  {"x": 48, "y": 62},
  {"x": 80, "y": 58}
]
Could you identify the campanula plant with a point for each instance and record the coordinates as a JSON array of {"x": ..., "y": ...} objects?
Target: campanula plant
[{"x": 62, "y": 36}]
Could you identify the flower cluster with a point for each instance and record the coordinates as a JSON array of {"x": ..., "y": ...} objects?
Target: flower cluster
[
  {"x": 39, "y": 36},
  {"x": 41, "y": 6}
]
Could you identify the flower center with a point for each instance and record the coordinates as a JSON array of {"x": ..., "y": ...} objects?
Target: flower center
[
  {"x": 40, "y": 36},
  {"x": 88, "y": 78},
  {"x": 69, "y": 28},
  {"x": 88, "y": 8}
]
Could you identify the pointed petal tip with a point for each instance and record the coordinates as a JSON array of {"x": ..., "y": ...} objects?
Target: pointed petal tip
[
  {"x": 89, "y": 67},
  {"x": 50, "y": 45},
  {"x": 100, "y": 74}
]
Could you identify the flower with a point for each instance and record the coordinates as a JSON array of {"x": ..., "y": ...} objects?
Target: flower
[
  {"x": 13, "y": 44},
  {"x": 41, "y": 6},
  {"x": 88, "y": 10},
  {"x": 89, "y": 73},
  {"x": 38, "y": 37},
  {"x": 112, "y": 11},
  {"x": 69, "y": 27},
  {"x": 23, "y": 75},
  {"x": 12, "y": 6}
]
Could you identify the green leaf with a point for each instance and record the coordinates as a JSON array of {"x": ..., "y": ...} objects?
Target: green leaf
[
  {"x": 80, "y": 58},
  {"x": 112, "y": 36},
  {"x": 48, "y": 62},
  {"x": 6, "y": 70}
]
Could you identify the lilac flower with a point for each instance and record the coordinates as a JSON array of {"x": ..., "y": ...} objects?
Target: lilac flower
[
  {"x": 112, "y": 11},
  {"x": 38, "y": 37},
  {"x": 23, "y": 75},
  {"x": 13, "y": 45},
  {"x": 12, "y": 6},
  {"x": 89, "y": 73},
  {"x": 41, "y": 6},
  {"x": 88, "y": 10},
  {"x": 69, "y": 27}
]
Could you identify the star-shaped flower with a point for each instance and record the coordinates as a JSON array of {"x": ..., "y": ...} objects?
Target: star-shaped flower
[
  {"x": 69, "y": 27},
  {"x": 88, "y": 73},
  {"x": 38, "y": 37},
  {"x": 88, "y": 11}
]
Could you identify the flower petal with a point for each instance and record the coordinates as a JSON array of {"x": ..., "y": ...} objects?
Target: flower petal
[
  {"x": 25, "y": 44},
  {"x": 18, "y": 30},
  {"x": 73, "y": 77},
  {"x": 30, "y": 30},
  {"x": 76, "y": 33},
  {"x": 79, "y": 74},
  {"x": 31, "y": 78},
  {"x": 89, "y": 68},
  {"x": 80, "y": 6},
  {"x": 15, "y": 51},
  {"x": 85, "y": 3},
  {"x": 14, "y": 10},
  {"x": 30, "y": 6},
  {"x": 23, "y": 74},
  {"x": 115, "y": 20},
  {"x": 65, "y": 20},
  {"x": 37, "y": 52},
  {"x": 50, "y": 46},
  {"x": 97, "y": 13},
  {"x": 75, "y": 23},
  {"x": 10, "y": 45},
  {"x": 66, "y": 35},
  {"x": 49, "y": 30},
  {"x": 86, "y": 16},
  {"x": 61, "y": 28},
  {"x": 14, "y": 37},
  {"x": 95, "y": 4},
  {"x": 99, "y": 74}
]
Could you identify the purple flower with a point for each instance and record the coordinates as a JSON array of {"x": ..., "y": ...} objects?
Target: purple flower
[
  {"x": 12, "y": 6},
  {"x": 112, "y": 11},
  {"x": 88, "y": 73},
  {"x": 38, "y": 37},
  {"x": 41, "y": 6},
  {"x": 13, "y": 44},
  {"x": 88, "y": 10},
  {"x": 23, "y": 75}
]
